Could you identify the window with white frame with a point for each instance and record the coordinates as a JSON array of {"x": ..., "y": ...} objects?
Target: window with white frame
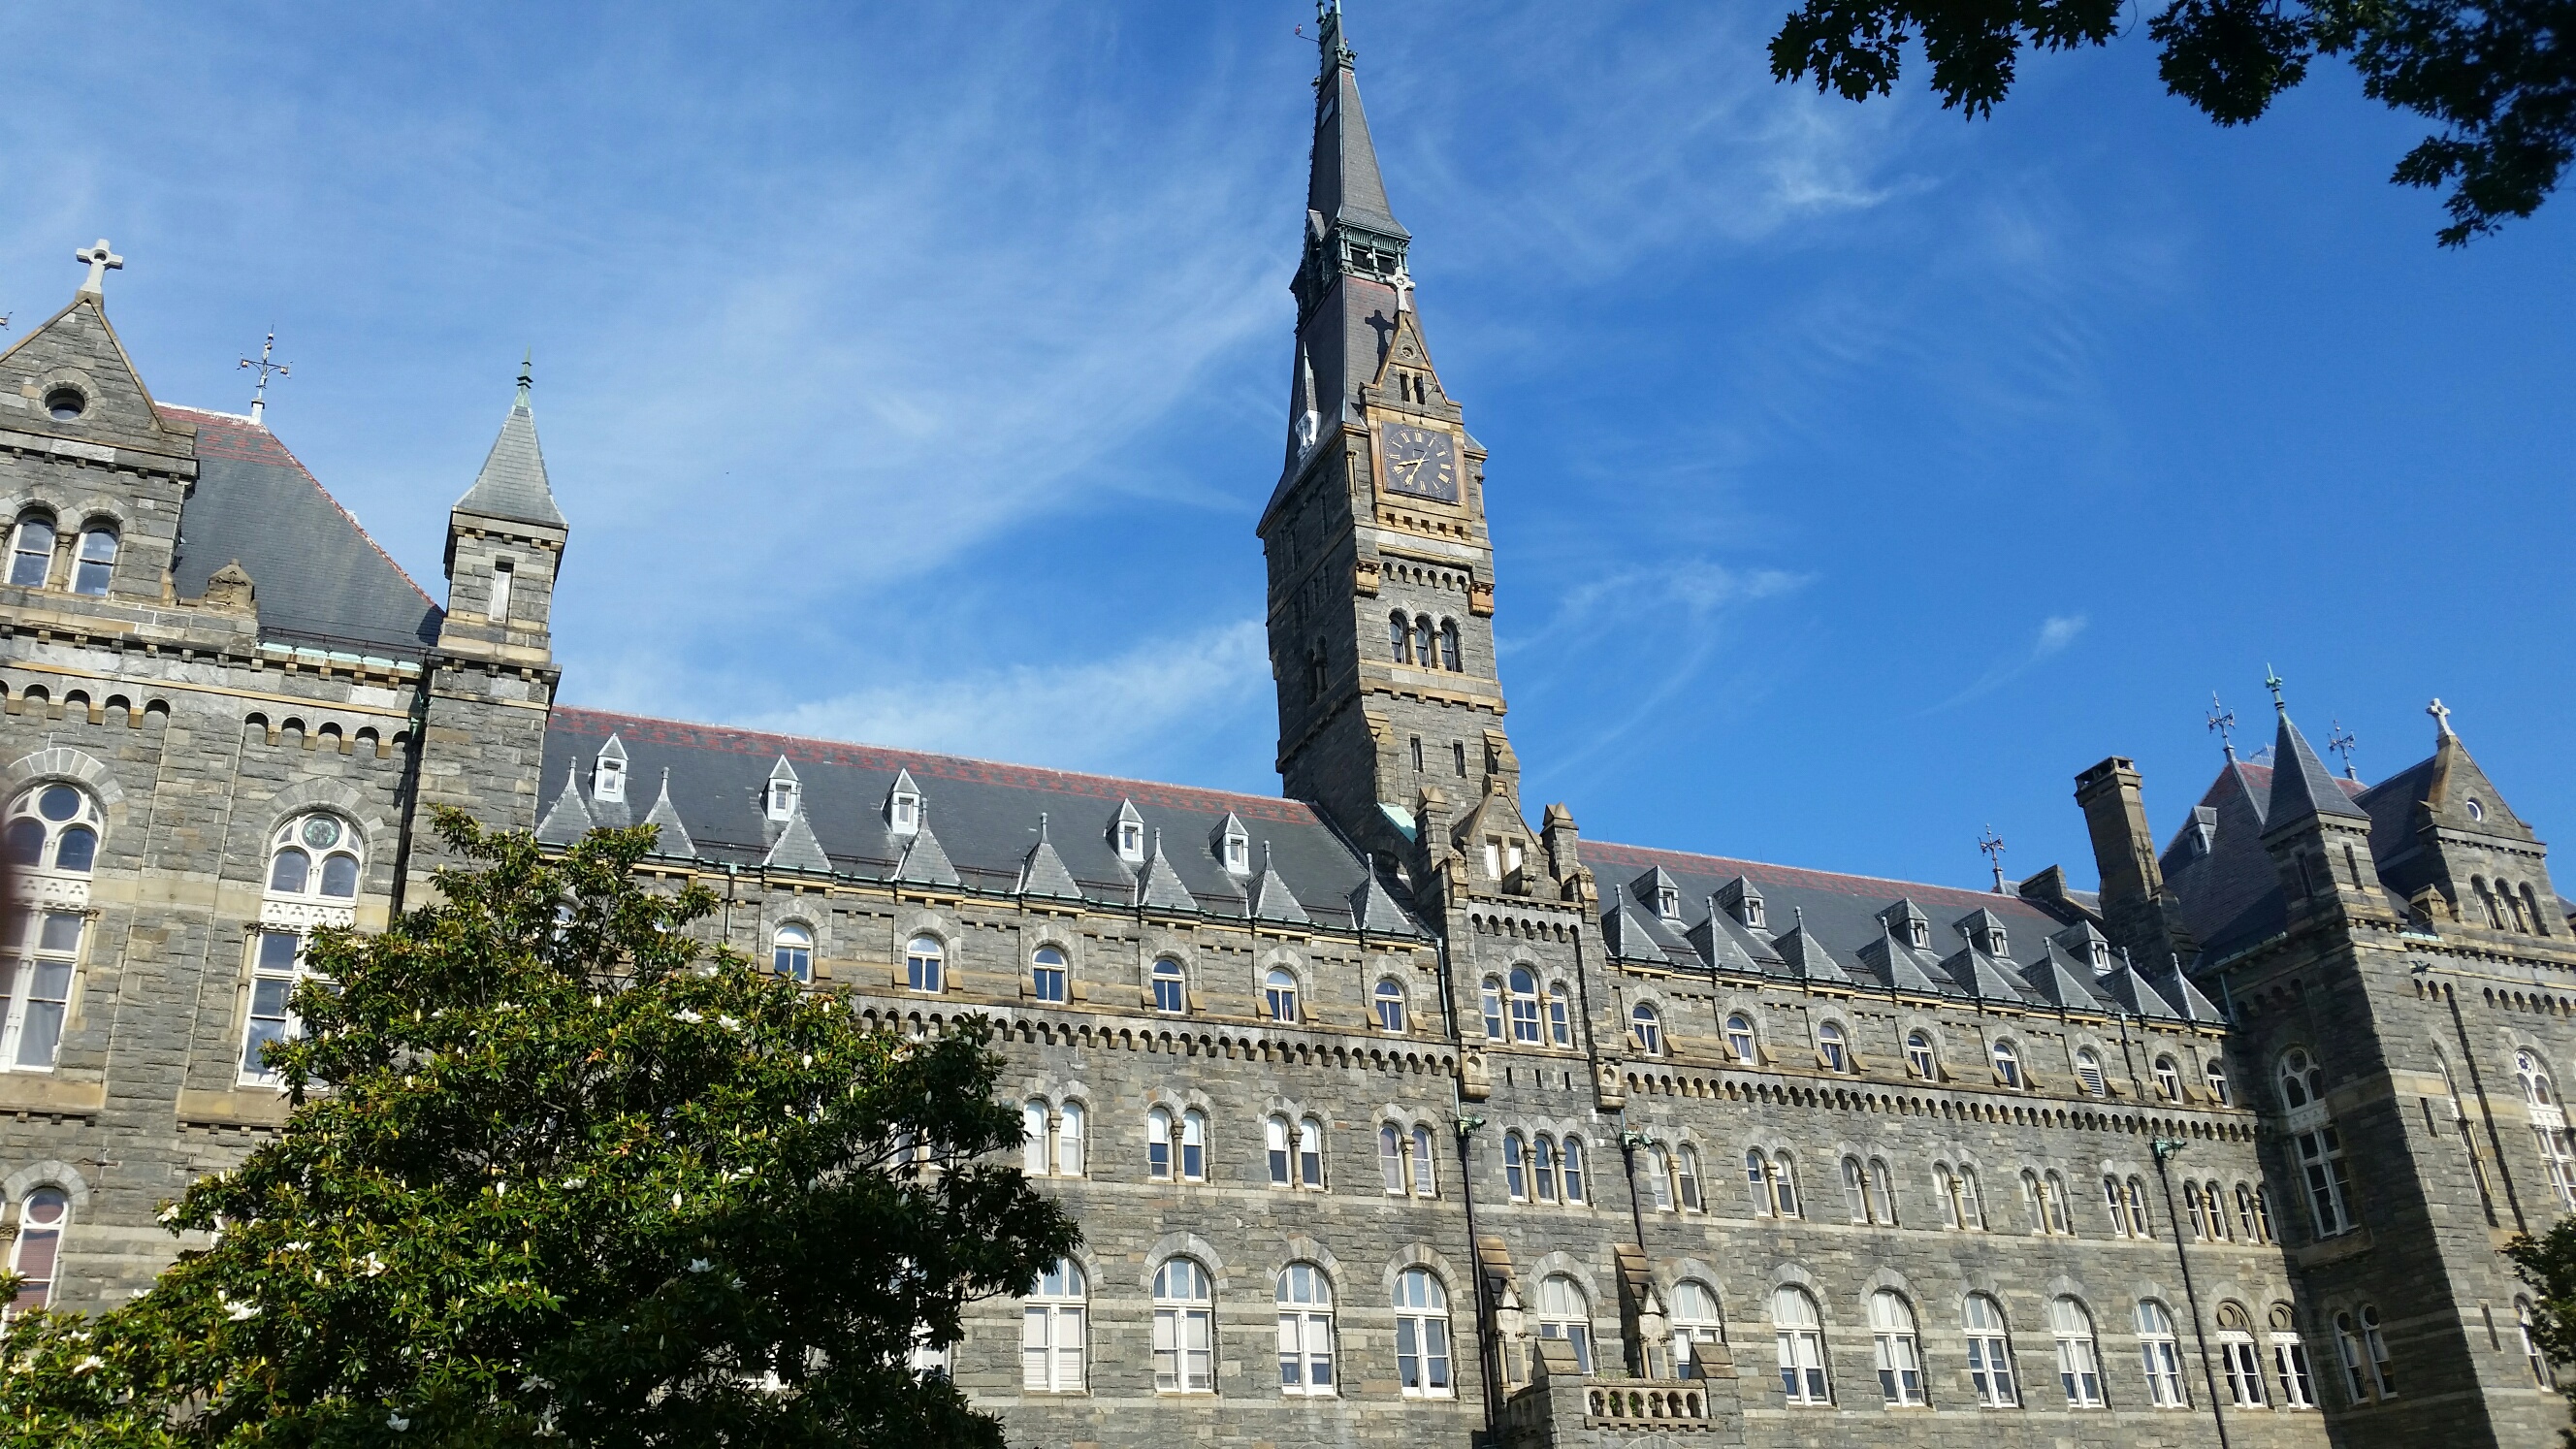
[
  {"x": 1918, "y": 1056},
  {"x": 277, "y": 966},
  {"x": 1646, "y": 1030},
  {"x": 1055, "y": 1332},
  {"x": 2168, "y": 1079},
  {"x": 43, "y": 955},
  {"x": 1740, "y": 1042},
  {"x": 1831, "y": 1049},
  {"x": 1184, "y": 1328},
  {"x": 1049, "y": 978},
  {"x": 2088, "y": 1071},
  {"x": 1686, "y": 1178},
  {"x": 94, "y": 562},
  {"x": 314, "y": 857},
  {"x": 1564, "y": 1313},
  {"x": 1543, "y": 1167},
  {"x": 2214, "y": 1073},
  {"x": 31, "y": 551},
  {"x": 1990, "y": 1361},
  {"x": 791, "y": 952},
  {"x": 2290, "y": 1360},
  {"x": 1305, "y": 1331},
  {"x": 1801, "y": 1338},
  {"x": 1560, "y": 1018},
  {"x": 2214, "y": 1198},
  {"x": 1491, "y": 1000},
  {"x": 1658, "y": 1168},
  {"x": 1034, "y": 1133},
  {"x": 1774, "y": 1183},
  {"x": 2161, "y": 1356},
  {"x": 1895, "y": 1346},
  {"x": 2316, "y": 1143},
  {"x": 1279, "y": 994},
  {"x": 53, "y": 830},
  {"x": 608, "y": 773},
  {"x": 43, "y": 1214},
  {"x": 1695, "y": 1320},
  {"x": 1516, "y": 1181},
  {"x": 2548, "y": 1126},
  {"x": 2544, "y": 1374},
  {"x": 1422, "y": 1336},
  {"x": 1524, "y": 1005},
  {"x": 1855, "y": 1190},
  {"x": 2236, "y": 1355},
  {"x": 2127, "y": 1202},
  {"x": 1171, "y": 991},
  {"x": 2079, "y": 1367},
  {"x": 2007, "y": 1064},
  {"x": 1390, "y": 1007},
  {"x": 925, "y": 965}
]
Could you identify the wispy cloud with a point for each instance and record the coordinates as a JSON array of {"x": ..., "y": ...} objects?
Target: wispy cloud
[{"x": 2055, "y": 633}]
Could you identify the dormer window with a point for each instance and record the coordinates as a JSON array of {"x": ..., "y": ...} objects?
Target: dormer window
[
  {"x": 608, "y": 775},
  {"x": 1668, "y": 902},
  {"x": 1131, "y": 841},
  {"x": 1127, "y": 834},
  {"x": 1233, "y": 846},
  {"x": 903, "y": 806},
  {"x": 782, "y": 799},
  {"x": 1749, "y": 911},
  {"x": 1238, "y": 856},
  {"x": 1995, "y": 945},
  {"x": 1918, "y": 934}
]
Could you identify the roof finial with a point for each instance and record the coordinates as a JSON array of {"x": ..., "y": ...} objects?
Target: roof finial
[
  {"x": 101, "y": 262},
  {"x": 1403, "y": 289},
  {"x": 1993, "y": 845},
  {"x": 1042, "y": 818},
  {"x": 527, "y": 374},
  {"x": 2273, "y": 681},
  {"x": 1328, "y": 34},
  {"x": 259, "y": 394},
  {"x": 2341, "y": 742},
  {"x": 2441, "y": 714},
  {"x": 2223, "y": 720}
]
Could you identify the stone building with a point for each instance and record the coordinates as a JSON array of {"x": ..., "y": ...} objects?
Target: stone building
[{"x": 1389, "y": 1117}]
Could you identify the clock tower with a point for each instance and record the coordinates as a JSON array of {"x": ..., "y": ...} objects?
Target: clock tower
[{"x": 1380, "y": 567}]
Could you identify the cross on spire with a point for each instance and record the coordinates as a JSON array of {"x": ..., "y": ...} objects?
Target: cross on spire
[
  {"x": 1993, "y": 845},
  {"x": 2272, "y": 681},
  {"x": 2341, "y": 742},
  {"x": 259, "y": 394},
  {"x": 2441, "y": 714},
  {"x": 101, "y": 262},
  {"x": 2223, "y": 720}
]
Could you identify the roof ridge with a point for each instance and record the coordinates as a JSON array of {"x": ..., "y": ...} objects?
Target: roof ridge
[
  {"x": 307, "y": 474},
  {"x": 1229, "y": 799},
  {"x": 1648, "y": 855}
]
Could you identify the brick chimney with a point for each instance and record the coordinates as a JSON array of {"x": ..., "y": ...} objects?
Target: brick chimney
[{"x": 2137, "y": 911}]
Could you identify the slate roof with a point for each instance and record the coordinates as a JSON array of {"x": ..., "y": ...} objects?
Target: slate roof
[
  {"x": 2302, "y": 786},
  {"x": 512, "y": 484},
  {"x": 2231, "y": 895},
  {"x": 979, "y": 823},
  {"x": 322, "y": 582}
]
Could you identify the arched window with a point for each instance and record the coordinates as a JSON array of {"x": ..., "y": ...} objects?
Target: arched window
[
  {"x": 1646, "y": 1029},
  {"x": 1184, "y": 1328},
  {"x": 95, "y": 561},
  {"x": 1695, "y": 1321},
  {"x": 1990, "y": 1364},
  {"x": 54, "y": 828},
  {"x": 2128, "y": 1205},
  {"x": 791, "y": 952},
  {"x": 43, "y": 952},
  {"x": 1305, "y": 1330},
  {"x": 925, "y": 965},
  {"x": 1054, "y": 1340},
  {"x": 1516, "y": 1167},
  {"x": 1658, "y": 1168},
  {"x": 2214, "y": 1072},
  {"x": 1563, "y": 1314},
  {"x": 1492, "y": 1001},
  {"x": 1775, "y": 1191},
  {"x": 1449, "y": 645},
  {"x": 1426, "y": 1182},
  {"x": 1524, "y": 1005},
  {"x": 1310, "y": 1153},
  {"x": 1194, "y": 1146},
  {"x": 1426, "y": 642},
  {"x": 2088, "y": 1070},
  {"x": 1158, "y": 1143},
  {"x": 1033, "y": 1137},
  {"x": 1399, "y": 637},
  {"x": 1918, "y": 1056},
  {"x": 1543, "y": 1167},
  {"x": 42, "y": 1216},
  {"x": 1945, "y": 1186},
  {"x": 2053, "y": 1194},
  {"x": 1739, "y": 1038},
  {"x": 314, "y": 856},
  {"x": 1170, "y": 991},
  {"x": 1831, "y": 1049},
  {"x": 1855, "y": 1190},
  {"x": 2215, "y": 1200},
  {"x": 1390, "y": 1007},
  {"x": 2316, "y": 1143},
  {"x": 2548, "y": 1126},
  {"x": 1900, "y": 1364},
  {"x": 2543, "y": 1373},
  {"x": 1391, "y": 1158},
  {"x": 2236, "y": 1356},
  {"x": 2191, "y": 1209},
  {"x": 31, "y": 552},
  {"x": 1574, "y": 1171},
  {"x": 1882, "y": 1193},
  {"x": 1972, "y": 1212},
  {"x": 2374, "y": 1346},
  {"x": 1802, "y": 1347},
  {"x": 1069, "y": 1140},
  {"x": 1047, "y": 975},
  {"x": 1422, "y": 1336},
  {"x": 2302, "y": 1080},
  {"x": 2079, "y": 1367},
  {"x": 1560, "y": 1020},
  {"x": 2161, "y": 1356},
  {"x": 1686, "y": 1178},
  {"x": 2290, "y": 1360},
  {"x": 2007, "y": 1064},
  {"x": 1279, "y": 993},
  {"x": 2168, "y": 1079}
]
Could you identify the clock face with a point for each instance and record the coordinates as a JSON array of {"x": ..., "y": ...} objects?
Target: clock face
[{"x": 1420, "y": 462}]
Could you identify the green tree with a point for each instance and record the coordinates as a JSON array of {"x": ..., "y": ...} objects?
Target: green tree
[
  {"x": 573, "y": 1178},
  {"x": 2497, "y": 78},
  {"x": 2548, "y": 1264}
]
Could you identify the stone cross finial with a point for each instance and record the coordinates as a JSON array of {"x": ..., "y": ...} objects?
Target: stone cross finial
[
  {"x": 2441, "y": 714},
  {"x": 1403, "y": 290},
  {"x": 101, "y": 262}
]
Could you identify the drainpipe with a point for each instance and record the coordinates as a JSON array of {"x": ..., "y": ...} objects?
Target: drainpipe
[
  {"x": 2163, "y": 1149},
  {"x": 1488, "y": 1352}
]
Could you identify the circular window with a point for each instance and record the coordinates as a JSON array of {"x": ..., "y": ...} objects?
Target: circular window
[
  {"x": 62, "y": 802},
  {"x": 321, "y": 832},
  {"x": 65, "y": 403},
  {"x": 2476, "y": 810}
]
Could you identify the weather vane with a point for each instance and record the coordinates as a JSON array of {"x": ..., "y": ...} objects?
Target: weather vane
[
  {"x": 2273, "y": 681},
  {"x": 259, "y": 394},
  {"x": 2341, "y": 742},
  {"x": 2223, "y": 720},
  {"x": 1993, "y": 845}
]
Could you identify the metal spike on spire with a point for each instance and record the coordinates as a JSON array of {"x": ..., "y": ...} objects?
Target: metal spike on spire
[
  {"x": 527, "y": 374},
  {"x": 2272, "y": 681},
  {"x": 2342, "y": 741},
  {"x": 1993, "y": 846},
  {"x": 2222, "y": 720},
  {"x": 259, "y": 394}
]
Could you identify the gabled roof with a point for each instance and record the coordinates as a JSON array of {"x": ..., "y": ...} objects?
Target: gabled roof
[{"x": 322, "y": 581}]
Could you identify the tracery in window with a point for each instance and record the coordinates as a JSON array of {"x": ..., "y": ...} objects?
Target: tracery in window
[
  {"x": 314, "y": 857},
  {"x": 2290, "y": 1361},
  {"x": 54, "y": 829},
  {"x": 2548, "y": 1126},
  {"x": 2243, "y": 1371},
  {"x": 2316, "y": 1143},
  {"x": 42, "y": 1216}
]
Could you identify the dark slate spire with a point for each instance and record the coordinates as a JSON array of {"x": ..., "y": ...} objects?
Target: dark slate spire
[
  {"x": 924, "y": 861},
  {"x": 2302, "y": 786},
  {"x": 674, "y": 839},
  {"x": 1374, "y": 911},
  {"x": 569, "y": 820},
  {"x": 1805, "y": 954},
  {"x": 513, "y": 483},
  {"x": 797, "y": 847},
  {"x": 1044, "y": 873},
  {"x": 1271, "y": 898},
  {"x": 1343, "y": 186},
  {"x": 1158, "y": 886}
]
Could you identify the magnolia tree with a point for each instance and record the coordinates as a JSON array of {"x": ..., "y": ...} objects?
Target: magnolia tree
[
  {"x": 2548, "y": 1264},
  {"x": 572, "y": 1177}
]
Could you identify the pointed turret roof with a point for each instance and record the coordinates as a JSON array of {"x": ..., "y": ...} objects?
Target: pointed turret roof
[
  {"x": 1343, "y": 185},
  {"x": 2132, "y": 990},
  {"x": 569, "y": 819},
  {"x": 924, "y": 861},
  {"x": 2062, "y": 981},
  {"x": 1044, "y": 873},
  {"x": 674, "y": 839},
  {"x": 1271, "y": 898},
  {"x": 1374, "y": 910},
  {"x": 797, "y": 848},
  {"x": 1159, "y": 886},
  {"x": 2302, "y": 786},
  {"x": 513, "y": 483},
  {"x": 1806, "y": 955}
]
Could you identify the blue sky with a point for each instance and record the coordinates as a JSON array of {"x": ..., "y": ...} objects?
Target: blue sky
[{"x": 914, "y": 374}]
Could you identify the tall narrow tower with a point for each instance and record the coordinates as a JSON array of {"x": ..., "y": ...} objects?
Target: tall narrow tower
[{"x": 1381, "y": 570}]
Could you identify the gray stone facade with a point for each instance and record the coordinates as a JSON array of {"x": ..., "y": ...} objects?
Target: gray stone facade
[{"x": 1750, "y": 1154}]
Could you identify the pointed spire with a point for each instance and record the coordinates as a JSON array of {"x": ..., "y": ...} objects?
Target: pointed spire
[
  {"x": 925, "y": 861},
  {"x": 798, "y": 848},
  {"x": 1343, "y": 185},
  {"x": 1374, "y": 911},
  {"x": 674, "y": 839},
  {"x": 1043, "y": 872},
  {"x": 2302, "y": 786},
  {"x": 1271, "y": 898},
  {"x": 569, "y": 819},
  {"x": 513, "y": 482},
  {"x": 1158, "y": 886}
]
